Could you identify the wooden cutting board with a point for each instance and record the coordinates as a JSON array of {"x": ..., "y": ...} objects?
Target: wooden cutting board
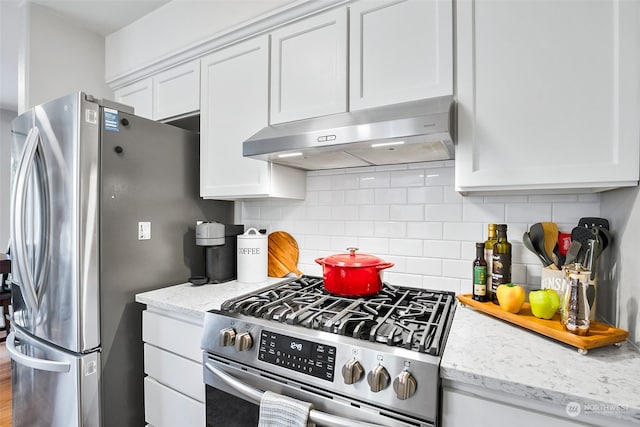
[
  {"x": 600, "y": 334},
  {"x": 283, "y": 254}
]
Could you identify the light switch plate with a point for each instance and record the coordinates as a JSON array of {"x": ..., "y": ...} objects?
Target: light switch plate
[{"x": 144, "y": 230}]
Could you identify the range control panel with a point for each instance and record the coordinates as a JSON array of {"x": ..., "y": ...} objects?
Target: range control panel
[{"x": 317, "y": 360}]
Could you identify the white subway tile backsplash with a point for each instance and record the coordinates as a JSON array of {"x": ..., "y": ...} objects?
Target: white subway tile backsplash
[
  {"x": 344, "y": 182},
  {"x": 388, "y": 196},
  {"x": 451, "y": 195},
  {"x": 331, "y": 228},
  {"x": 481, "y": 212},
  {"x": 441, "y": 249},
  {"x": 443, "y": 212},
  {"x": 425, "y": 266},
  {"x": 341, "y": 243},
  {"x": 345, "y": 213},
  {"x": 374, "y": 180},
  {"x": 463, "y": 231},
  {"x": 407, "y": 178},
  {"x": 317, "y": 242},
  {"x": 390, "y": 229},
  {"x": 319, "y": 182},
  {"x": 406, "y": 212},
  {"x": 446, "y": 284},
  {"x": 374, "y": 212},
  {"x": 373, "y": 245},
  {"x": 406, "y": 247},
  {"x": 460, "y": 269},
  {"x": 359, "y": 228},
  {"x": 528, "y": 212},
  {"x": 319, "y": 212},
  {"x": 425, "y": 195},
  {"x": 412, "y": 216},
  {"x": 439, "y": 176},
  {"x": 359, "y": 197},
  {"x": 550, "y": 198},
  {"x": 403, "y": 279},
  {"x": 424, "y": 230},
  {"x": 572, "y": 212}
]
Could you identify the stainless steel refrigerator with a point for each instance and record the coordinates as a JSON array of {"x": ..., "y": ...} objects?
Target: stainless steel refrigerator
[{"x": 104, "y": 205}]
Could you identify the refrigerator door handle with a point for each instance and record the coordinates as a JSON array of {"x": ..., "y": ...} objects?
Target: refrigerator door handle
[
  {"x": 32, "y": 362},
  {"x": 19, "y": 197}
]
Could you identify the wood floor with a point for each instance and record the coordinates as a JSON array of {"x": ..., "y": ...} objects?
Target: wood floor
[{"x": 5, "y": 387}]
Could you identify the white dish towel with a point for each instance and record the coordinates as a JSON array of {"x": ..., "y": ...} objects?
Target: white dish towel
[{"x": 277, "y": 410}]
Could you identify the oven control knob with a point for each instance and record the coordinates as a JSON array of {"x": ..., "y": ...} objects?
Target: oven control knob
[
  {"x": 227, "y": 337},
  {"x": 243, "y": 341},
  {"x": 405, "y": 385},
  {"x": 378, "y": 379},
  {"x": 352, "y": 371}
]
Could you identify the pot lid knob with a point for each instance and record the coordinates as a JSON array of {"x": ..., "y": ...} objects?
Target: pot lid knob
[{"x": 352, "y": 251}]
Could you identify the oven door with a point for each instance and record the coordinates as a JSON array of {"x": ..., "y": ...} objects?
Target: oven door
[{"x": 234, "y": 393}]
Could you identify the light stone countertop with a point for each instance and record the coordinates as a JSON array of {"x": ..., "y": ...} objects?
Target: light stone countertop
[
  {"x": 526, "y": 364},
  {"x": 194, "y": 301}
]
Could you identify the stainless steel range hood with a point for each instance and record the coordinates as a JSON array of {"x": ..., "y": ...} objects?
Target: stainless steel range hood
[{"x": 411, "y": 132}]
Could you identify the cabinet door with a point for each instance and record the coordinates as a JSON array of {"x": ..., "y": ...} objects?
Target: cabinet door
[
  {"x": 399, "y": 51},
  {"x": 176, "y": 91},
  {"x": 309, "y": 67},
  {"x": 139, "y": 96},
  {"x": 548, "y": 95}
]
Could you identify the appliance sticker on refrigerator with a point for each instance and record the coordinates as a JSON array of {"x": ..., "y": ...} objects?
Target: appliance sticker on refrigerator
[{"x": 111, "y": 120}]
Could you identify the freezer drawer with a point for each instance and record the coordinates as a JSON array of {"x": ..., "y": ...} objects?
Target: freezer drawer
[{"x": 51, "y": 387}]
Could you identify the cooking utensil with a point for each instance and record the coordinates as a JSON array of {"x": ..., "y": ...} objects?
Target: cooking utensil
[
  {"x": 590, "y": 222},
  {"x": 283, "y": 255},
  {"x": 526, "y": 240},
  {"x": 536, "y": 233},
  {"x": 573, "y": 252},
  {"x": 550, "y": 230},
  {"x": 352, "y": 274},
  {"x": 582, "y": 235}
]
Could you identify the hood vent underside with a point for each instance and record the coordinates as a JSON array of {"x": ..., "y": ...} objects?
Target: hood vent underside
[{"x": 417, "y": 131}]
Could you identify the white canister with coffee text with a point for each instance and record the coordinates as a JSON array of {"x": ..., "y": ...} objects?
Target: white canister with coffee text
[{"x": 252, "y": 257}]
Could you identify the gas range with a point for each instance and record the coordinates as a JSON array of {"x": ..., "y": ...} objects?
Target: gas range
[{"x": 374, "y": 359}]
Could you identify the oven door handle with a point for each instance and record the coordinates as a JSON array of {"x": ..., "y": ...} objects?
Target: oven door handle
[{"x": 255, "y": 395}]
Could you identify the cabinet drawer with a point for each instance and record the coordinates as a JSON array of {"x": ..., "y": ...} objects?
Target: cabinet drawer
[
  {"x": 180, "y": 374},
  {"x": 164, "y": 407},
  {"x": 175, "y": 335}
]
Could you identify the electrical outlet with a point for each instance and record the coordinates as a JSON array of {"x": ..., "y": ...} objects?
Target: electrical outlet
[{"x": 144, "y": 230}]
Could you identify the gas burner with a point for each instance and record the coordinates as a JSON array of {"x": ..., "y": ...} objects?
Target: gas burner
[{"x": 414, "y": 319}]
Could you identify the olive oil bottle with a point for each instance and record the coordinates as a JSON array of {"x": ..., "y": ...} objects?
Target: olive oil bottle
[
  {"x": 480, "y": 275},
  {"x": 488, "y": 255},
  {"x": 501, "y": 262}
]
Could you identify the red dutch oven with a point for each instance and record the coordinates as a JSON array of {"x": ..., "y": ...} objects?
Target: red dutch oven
[{"x": 352, "y": 275}]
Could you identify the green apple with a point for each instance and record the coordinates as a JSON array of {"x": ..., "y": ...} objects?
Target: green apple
[{"x": 544, "y": 303}]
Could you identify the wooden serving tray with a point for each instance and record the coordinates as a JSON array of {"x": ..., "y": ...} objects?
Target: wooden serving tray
[{"x": 600, "y": 334}]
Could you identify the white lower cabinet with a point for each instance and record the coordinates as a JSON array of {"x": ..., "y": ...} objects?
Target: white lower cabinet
[
  {"x": 465, "y": 405},
  {"x": 174, "y": 391}
]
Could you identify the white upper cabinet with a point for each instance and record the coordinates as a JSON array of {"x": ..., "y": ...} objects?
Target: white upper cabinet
[
  {"x": 138, "y": 95},
  {"x": 309, "y": 67},
  {"x": 548, "y": 95},
  {"x": 399, "y": 51},
  {"x": 170, "y": 93},
  {"x": 176, "y": 91},
  {"x": 235, "y": 98}
]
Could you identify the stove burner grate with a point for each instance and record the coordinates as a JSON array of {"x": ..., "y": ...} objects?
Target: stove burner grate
[{"x": 403, "y": 317}]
